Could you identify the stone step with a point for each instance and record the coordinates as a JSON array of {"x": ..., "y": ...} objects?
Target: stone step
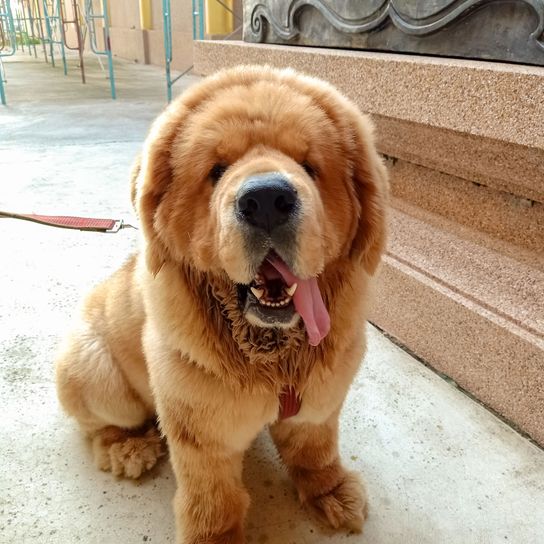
[
  {"x": 497, "y": 213},
  {"x": 471, "y": 307},
  {"x": 462, "y": 284}
]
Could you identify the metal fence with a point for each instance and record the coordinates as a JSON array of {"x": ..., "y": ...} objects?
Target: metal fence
[
  {"x": 33, "y": 25},
  {"x": 40, "y": 28},
  {"x": 199, "y": 33}
]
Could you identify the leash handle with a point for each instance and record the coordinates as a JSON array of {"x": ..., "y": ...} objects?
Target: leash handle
[{"x": 69, "y": 222}]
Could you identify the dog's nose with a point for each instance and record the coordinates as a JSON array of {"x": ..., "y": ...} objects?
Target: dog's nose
[{"x": 266, "y": 201}]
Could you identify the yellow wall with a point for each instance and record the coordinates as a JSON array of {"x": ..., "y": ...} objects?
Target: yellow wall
[{"x": 218, "y": 19}]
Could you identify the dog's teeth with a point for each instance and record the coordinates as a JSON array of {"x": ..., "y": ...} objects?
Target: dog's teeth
[
  {"x": 291, "y": 290},
  {"x": 257, "y": 292},
  {"x": 270, "y": 303}
]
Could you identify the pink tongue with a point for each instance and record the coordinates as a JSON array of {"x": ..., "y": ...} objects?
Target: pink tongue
[{"x": 308, "y": 302}]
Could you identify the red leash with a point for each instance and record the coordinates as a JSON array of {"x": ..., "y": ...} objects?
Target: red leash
[{"x": 76, "y": 223}]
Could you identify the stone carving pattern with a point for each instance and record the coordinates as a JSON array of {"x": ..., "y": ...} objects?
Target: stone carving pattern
[{"x": 262, "y": 15}]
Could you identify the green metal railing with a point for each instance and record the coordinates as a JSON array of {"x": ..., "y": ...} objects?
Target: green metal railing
[
  {"x": 198, "y": 21},
  {"x": 54, "y": 31},
  {"x": 8, "y": 42},
  {"x": 34, "y": 21},
  {"x": 199, "y": 16},
  {"x": 44, "y": 22},
  {"x": 91, "y": 18},
  {"x": 24, "y": 32},
  {"x": 80, "y": 37}
]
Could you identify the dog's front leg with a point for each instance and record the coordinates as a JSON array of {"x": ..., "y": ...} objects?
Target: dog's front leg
[
  {"x": 210, "y": 503},
  {"x": 311, "y": 455}
]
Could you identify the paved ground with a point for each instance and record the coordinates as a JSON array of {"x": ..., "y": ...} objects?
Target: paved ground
[{"x": 439, "y": 468}]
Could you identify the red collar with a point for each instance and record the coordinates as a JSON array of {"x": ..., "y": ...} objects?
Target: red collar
[{"x": 289, "y": 403}]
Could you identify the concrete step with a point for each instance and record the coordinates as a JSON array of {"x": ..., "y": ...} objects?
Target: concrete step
[{"x": 471, "y": 307}]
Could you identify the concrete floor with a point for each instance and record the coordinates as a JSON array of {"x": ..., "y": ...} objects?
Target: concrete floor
[{"x": 439, "y": 468}]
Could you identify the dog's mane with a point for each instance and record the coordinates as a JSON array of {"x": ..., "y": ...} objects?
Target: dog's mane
[{"x": 254, "y": 357}]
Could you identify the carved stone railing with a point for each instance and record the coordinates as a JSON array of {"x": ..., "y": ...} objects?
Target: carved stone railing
[{"x": 511, "y": 30}]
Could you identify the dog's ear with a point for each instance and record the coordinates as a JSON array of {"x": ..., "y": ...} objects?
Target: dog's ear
[
  {"x": 154, "y": 177},
  {"x": 371, "y": 186}
]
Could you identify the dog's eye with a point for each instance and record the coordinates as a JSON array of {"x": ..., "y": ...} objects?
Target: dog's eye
[
  {"x": 310, "y": 170},
  {"x": 216, "y": 173}
]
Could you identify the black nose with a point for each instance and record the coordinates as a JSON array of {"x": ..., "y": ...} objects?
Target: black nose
[{"x": 266, "y": 201}]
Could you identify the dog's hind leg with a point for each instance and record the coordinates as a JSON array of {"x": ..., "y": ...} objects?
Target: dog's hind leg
[{"x": 118, "y": 420}]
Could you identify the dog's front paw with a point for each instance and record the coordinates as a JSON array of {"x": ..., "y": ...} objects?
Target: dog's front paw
[
  {"x": 338, "y": 497},
  {"x": 344, "y": 506}
]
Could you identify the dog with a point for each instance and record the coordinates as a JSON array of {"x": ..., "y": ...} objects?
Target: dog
[{"x": 262, "y": 203}]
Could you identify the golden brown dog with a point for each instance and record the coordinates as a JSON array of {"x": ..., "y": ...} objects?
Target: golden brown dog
[{"x": 262, "y": 205}]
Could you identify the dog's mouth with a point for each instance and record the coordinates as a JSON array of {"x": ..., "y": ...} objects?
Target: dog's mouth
[{"x": 276, "y": 297}]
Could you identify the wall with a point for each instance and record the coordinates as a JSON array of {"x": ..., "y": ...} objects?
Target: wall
[{"x": 146, "y": 46}]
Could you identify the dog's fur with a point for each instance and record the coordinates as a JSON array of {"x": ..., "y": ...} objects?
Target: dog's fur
[{"x": 165, "y": 335}]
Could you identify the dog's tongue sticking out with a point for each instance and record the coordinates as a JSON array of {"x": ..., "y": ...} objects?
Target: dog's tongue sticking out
[{"x": 308, "y": 302}]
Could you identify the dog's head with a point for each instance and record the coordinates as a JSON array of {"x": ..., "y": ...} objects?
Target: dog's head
[{"x": 268, "y": 177}]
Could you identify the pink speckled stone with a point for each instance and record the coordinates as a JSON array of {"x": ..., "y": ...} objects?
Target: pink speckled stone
[{"x": 494, "y": 100}]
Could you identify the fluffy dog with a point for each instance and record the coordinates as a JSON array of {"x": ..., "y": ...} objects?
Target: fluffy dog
[{"x": 262, "y": 206}]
